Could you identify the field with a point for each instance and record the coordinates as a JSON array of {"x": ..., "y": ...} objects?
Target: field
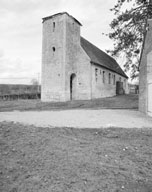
[
  {"x": 6, "y": 89},
  {"x": 39, "y": 159},
  {"x": 117, "y": 102}
]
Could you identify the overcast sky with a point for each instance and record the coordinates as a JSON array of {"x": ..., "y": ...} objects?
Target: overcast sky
[{"x": 21, "y": 31}]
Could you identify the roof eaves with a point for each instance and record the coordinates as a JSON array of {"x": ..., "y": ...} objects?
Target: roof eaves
[{"x": 124, "y": 75}]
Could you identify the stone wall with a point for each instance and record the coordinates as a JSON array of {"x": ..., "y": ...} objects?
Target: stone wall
[
  {"x": 77, "y": 62},
  {"x": 145, "y": 76},
  {"x": 149, "y": 82},
  {"x": 53, "y": 60},
  {"x": 104, "y": 82},
  {"x": 63, "y": 56}
]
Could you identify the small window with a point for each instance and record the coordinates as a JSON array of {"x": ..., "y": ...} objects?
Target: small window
[
  {"x": 53, "y": 26},
  {"x": 103, "y": 76},
  {"x": 120, "y": 79},
  {"x": 96, "y": 73},
  {"x": 109, "y": 78},
  {"x": 53, "y": 48},
  {"x": 114, "y": 79}
]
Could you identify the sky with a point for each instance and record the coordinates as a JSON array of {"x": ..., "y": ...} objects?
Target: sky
[{"x": 21, "y": 32}]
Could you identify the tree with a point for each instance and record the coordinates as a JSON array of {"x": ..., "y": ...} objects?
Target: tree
[
  {"x": 128, "y": 31},
  {"x": 34, "y": 82},
  {"x": 35, "y": 85}
]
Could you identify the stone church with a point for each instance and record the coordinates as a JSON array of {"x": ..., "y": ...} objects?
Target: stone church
[{"x": 72, "y": 67}]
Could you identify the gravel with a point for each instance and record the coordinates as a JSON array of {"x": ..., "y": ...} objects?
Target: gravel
[{"x": 80, "y": 118}]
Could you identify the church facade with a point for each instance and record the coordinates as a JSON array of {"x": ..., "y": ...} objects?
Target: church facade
[{"x": 72, "y": 67}]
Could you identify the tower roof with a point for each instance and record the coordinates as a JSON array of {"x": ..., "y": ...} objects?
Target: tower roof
[{"x": 61, "y": 13}]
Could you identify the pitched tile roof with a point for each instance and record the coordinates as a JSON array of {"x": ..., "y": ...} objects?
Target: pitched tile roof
[{"x": 101, "y": 58}]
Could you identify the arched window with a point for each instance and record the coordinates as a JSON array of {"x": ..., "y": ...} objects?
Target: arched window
[{"x": 73, "y": 86}]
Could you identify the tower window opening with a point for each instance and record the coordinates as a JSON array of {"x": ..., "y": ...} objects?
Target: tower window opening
[
  {"x": 53, "y": 48},
  {"x": 53, "y": 26}
]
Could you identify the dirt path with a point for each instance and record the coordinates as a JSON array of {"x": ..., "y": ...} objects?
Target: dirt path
[{"x": 80, "y": 118}]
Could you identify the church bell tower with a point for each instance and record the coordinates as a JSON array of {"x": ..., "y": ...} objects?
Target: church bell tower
[{"x": 61, "y": 37}]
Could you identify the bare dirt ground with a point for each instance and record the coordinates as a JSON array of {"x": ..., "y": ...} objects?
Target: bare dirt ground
[{"x": 39, "y": 159}]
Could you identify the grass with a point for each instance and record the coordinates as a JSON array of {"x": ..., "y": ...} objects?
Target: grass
[
  {"x": 39, "y": 159},
  {"x": 117, "y": 102}
]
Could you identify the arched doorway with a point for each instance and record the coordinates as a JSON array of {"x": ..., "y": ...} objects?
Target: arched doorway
[{"x": 73, "y": 86}]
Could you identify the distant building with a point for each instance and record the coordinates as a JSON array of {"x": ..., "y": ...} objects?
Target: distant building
[
  {"x": 145, "y": 76},
  {"x": 72, "y": 67},
  {"x": 133, "y": 88}
]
